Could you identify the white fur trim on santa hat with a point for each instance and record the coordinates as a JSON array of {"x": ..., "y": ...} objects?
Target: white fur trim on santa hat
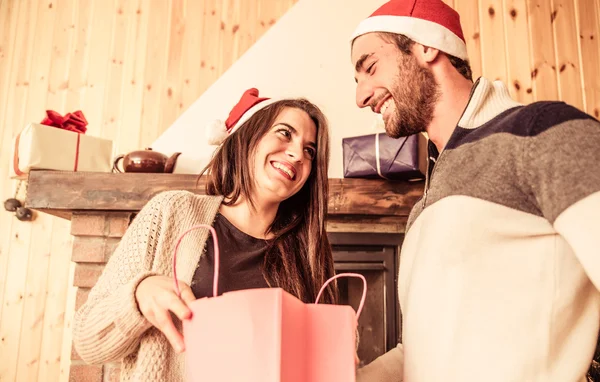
[
  {"x": 250, "y": 112},
  {"x": 216, "y": 132},
  {"x": 422, "y": 31}
]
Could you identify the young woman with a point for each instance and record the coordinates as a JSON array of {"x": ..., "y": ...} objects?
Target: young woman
[{"x": 267, "y": 200}]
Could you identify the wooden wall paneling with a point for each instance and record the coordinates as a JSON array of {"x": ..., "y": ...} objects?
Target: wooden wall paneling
[
  {"x": 53, "y": 341},
  {"x": 100, "y": 34},
  {"x": 44, "y": 84},
  {"x": 237, "y": 17},
  {"x": 567, "y": 53},
  {"x": 170, "y": 95},
  {"x": 493, "y": 50},
  {"x": 8, "y": 26},
  {"x": 154, "y": 71},
  {"x": 264, "y": 15},
  {"x": 20, "y": 232},
  {"x": 7, "y": 36},
  {"x": 228, "y": 21},
  {"x": 543, "y": 73},
  {"x": 589, "y": 34},
  {"x": 58, "y": 313},
  {"x": 191, "y": 55},
  {"x": 79, "y": 58},
  {"x": 179, "y": 44},
  {"x": 113, "y": 91},
  {"x": 469, "y": 18},
  {"x": 248, "y": 30},
  {"x": 134, "y": 63},
  {"x": 518, "y": 52},
  {"x": 269, "y": 12},
  {"x": 209, "y": 46}
]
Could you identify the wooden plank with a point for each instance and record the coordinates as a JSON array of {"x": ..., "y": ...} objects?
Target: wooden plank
[
  {"x": 247, "y": 32},
  {"x": 518, "y": 52},
  {"x": 589, "y": 35},
  {"x": 567, "y": 53},
  {"x": 129, "y": 192},
  {"x": 67, "y": 341},
  {"x": 7, "y": 37},
  {"x": 209, "y": 47},
  {"x": 265, "y": 15},
  {"x": 133, "y": 77},
  {"x": 493, "y": 49},
  {"x": 79, "y": 61},
  {"x": 170, "y": 95},
  {"x": 57, "y": 316},
  {"x": 229, "y": 18},
  {"x": 20, "y": 232},
  {"x": 154, "y": 71},
  {"x": 366, "y": 223},
  {"x": 543, "y": 60},
  {"x": 100, "y": 33},
  {"x": 469, "y": 16},
  {"x": 8, "y": 26},
  {"x": 113, "y": 97},
  {"x": 372, "y": 197},
  {"x": 192, "y": 55},
  {"x": 48, "y": 52},
  {"x": 269, "y": 13}
]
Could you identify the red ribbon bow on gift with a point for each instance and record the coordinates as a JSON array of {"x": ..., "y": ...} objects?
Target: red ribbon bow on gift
[{"x": 75, "y": 122}]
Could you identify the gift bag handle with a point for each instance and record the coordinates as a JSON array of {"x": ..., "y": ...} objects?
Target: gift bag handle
[
  {"x": 357, "y": 275},
  {"x": 216, "y": 249},
  {"x": 217, "y": 261}
]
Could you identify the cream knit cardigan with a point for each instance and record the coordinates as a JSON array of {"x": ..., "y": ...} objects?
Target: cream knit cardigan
[{"x": 109, "y": 326}]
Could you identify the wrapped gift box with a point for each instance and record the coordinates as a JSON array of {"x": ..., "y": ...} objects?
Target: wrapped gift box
[
  {"x": 379, "y": 156},
  {"x": 44, "y": 147}
]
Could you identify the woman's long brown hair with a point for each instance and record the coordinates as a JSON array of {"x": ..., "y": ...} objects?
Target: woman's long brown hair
[{"x": 299, "y": 259}]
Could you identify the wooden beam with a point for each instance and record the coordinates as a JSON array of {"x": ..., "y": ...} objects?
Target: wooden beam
[{"x": 59, "y": 193}]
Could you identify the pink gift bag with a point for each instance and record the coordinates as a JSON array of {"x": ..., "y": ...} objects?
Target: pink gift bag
[{"x": 268, "y": 335}]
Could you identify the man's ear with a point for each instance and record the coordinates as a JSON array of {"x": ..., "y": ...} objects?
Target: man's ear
[{"x": 425, "y": 54}]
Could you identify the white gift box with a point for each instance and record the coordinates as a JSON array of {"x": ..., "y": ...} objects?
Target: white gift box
[{"x": 41, "y": 147}]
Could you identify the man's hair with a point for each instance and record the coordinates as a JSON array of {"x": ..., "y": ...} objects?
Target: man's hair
[
  {"x": 405, "y": 44},
  {"x": 299, "y": 257}
]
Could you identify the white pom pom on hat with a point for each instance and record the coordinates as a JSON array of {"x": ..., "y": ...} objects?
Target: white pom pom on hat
[{"x": 217, "y": 131}]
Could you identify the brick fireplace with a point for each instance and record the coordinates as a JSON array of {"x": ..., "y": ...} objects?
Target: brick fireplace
[{"x": 366, "y": 221}]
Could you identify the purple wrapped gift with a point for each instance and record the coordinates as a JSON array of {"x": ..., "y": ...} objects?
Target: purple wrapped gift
[{"x": 379, "y": 156}]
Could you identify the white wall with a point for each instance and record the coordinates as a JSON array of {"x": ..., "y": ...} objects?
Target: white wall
[{"x": 306, "y": 53}]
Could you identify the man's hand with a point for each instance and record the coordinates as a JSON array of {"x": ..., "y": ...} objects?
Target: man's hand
[{"x": 156, "y": 297}]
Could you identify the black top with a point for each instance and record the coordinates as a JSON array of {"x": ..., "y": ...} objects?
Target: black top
[{"x": 241, "y": 264}]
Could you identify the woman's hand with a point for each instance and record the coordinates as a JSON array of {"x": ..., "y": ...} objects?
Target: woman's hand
[{"x": 156, "y": 297}]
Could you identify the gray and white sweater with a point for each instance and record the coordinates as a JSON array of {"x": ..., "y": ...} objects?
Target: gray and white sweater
[{"x": 500, "y": 268}]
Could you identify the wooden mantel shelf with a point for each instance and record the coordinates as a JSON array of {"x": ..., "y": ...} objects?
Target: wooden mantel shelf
[{"x": 62, "y": 193}]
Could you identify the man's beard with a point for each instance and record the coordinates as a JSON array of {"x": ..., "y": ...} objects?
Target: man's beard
[{"x": 415, "y": 93}]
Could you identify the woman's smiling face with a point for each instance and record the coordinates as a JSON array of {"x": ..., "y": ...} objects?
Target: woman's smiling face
[{"x": 284, "y": 156}]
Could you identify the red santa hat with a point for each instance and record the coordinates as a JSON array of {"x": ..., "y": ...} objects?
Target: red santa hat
[
  {"x": 247, "y": 106},
  {"x": 428, "y": 22}
]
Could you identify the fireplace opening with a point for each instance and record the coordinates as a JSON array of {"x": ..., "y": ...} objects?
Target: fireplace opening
[{"x": 375, "y": 256}]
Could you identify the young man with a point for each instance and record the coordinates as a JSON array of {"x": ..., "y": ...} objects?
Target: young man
[{"x": 500, "y": 267}]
